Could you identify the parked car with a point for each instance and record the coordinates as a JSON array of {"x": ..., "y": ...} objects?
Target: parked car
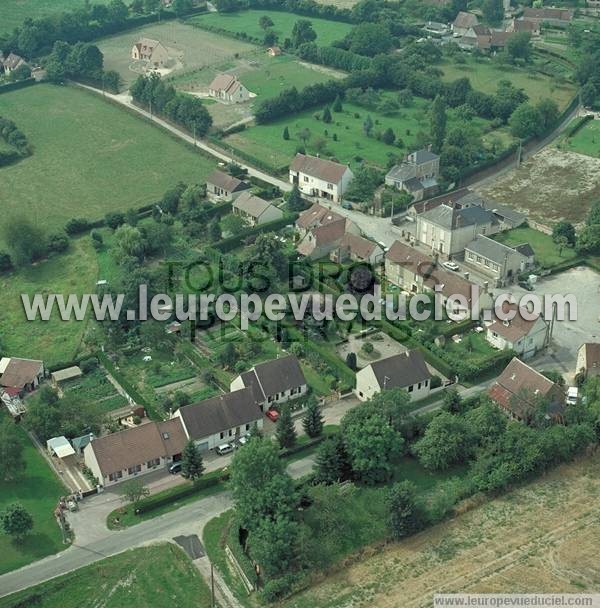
[
  {"x": 572, "y": 395},
  {"x": 453, "y": 266},
  {"x": 224, "y": 448},
  {"x": 175, "y": 468},
  {"x": 526, "y": 285},
  {"x": 346, "y": 206},
  {"x": 272, "y": 415}
]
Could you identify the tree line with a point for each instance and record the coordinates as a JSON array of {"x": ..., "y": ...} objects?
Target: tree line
[{"x": 16, "y": 139}]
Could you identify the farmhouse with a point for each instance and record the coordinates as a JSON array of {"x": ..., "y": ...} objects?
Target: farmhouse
[
  {"x": 520, "y": 390},
  {"x": 273, "y": 382},
  {"x": 524, "y": 336},
  {"x": 588, "y": 359},
  {"x": 135, "y": 451},
  {"x": 152, "y": 51},
  {"x": 323, "y": 179},
  {"x": 406, "y": 370},
  {"x": 417, "y": 175},
  {"x": 483, "y": 38},
  {"x": 223, "y": 187},
  {"x": 20, "y": 376},
  {"x": 228, "y": 88},
  {"x": 518, "y": 26},
  {"x": 559, "y": 17},
  {"x": 496, "y": 261},
  {"x": 211, "y": 422},
  {"x": 12, "y": 62},
  {"x": 463, "y": 22},
  {"x": 255, "y": 210},
  {"x": 357, "y": 249}
]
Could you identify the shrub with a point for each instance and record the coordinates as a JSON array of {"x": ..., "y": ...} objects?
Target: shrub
[{"x": 77, "y": 226}]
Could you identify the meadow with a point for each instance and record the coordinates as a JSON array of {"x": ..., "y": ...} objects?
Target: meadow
[
  {"x": 246, "y": 22},
  {"x": 89, "y": 158},
  {"x": 153, "y": 577},
  {"x": 586, "y": 140},
  {"x": 38, "y": 490}
]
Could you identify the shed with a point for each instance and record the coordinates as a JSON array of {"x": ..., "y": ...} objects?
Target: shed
[
  {"x": 63, "y": 375},
  {"x": 60, "y": 447}
]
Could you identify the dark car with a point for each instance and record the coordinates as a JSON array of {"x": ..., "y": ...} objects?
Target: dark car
[
  {"x": 526, "y": 285},
  {"x": 175, "y": 468}
]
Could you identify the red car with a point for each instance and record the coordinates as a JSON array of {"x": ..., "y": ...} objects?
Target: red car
[{"x": 272, "y": 415}]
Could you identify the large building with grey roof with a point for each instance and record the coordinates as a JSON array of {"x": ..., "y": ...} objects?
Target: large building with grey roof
[{"x": 417, "y": 175}]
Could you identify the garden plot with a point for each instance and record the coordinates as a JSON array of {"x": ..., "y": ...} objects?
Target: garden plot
[
  {"x": 551, "y": 186},
  {"x": 95, "y": 387},
  {"x": 383, "y": 347}
]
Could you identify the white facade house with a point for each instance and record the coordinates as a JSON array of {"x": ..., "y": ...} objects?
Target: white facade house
[
  {"x": 152, "y": 51},
  {"x": 228, "y": 88},
  {"x": 319, "y": 178},
  {"x": 273, "y": 382},
  {"x": 406, "y": 370},
  {"x": 588, "y": 359}
]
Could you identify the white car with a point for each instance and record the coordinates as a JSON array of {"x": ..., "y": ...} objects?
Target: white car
[
  {"x": 451, "y": 266},
  {"x": 224, "y": 448}
]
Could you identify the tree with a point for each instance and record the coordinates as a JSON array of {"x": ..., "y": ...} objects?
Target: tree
[
  {"x": 493, "y": 11},
  {"x": 5, "y": 262},
  {"x": 286, "y": 134},
  {"x": 133, "y": 491},
  {"x": 295, "y": 202},
  {"x": 593, "y": 216},
  {"x": 232, "y": 224},
  {"x": 327, "y": 115},
  {"x": 405, "y": 514},
  {"x": 548, "y": 111},
  {"x": 12, "y": 463},
  {"x": 25, "y": 241},
  {"x": 332, "y": 463},
  {"x": 589, "y": 92},
  {"x": 181, "y": 7},
  {"x": 302, "y": 32},
  {"x": 16, "y": 521},
  {"x": 368, "y": 126},
  {"x": 525, "y": 121},
  {"x": 487, "y": 423},
  {"x": 273, "y": 545},
  {"x": 388, "y": 137},
  {"x": 285, "y": 431},
  {"x": 588, "y": 241},
  {"x": 304, "y": 135},
  {"x": 214, "y": 230},
  {"x": 312, "y": 422},
  {"x": 369, "y": 39},
  {"x": 438, "y": 123},
  {"x": 128, "y": 243},
  {"x": 228, "y": 356},
  {"x": 192, "y": 465},
  {"x": 265, "y": 22},
  {"x": 518, "y": 46},
  {"x": 337, "y": 104},
  {"x": 351, "y": 361},
  {"x": 564, "y": 230},
  {"x": 452, "y": 401}
]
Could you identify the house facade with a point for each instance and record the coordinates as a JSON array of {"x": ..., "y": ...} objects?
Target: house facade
[
  {"x": 588, "y": 359},
  {"x": 406, "y": 370},
  {"x": 228, "y": 88},
  {"x": 152, "y": 51},
  {"x": 13, "y": 62},
  {"x": 462, "y": 23},
  {"x": 417, "y": 175},
  {"x": 273, "y": 382},
  {"x": 558, "y": 17},
  {"x": 357, "y": 249},
  {"x": 255, "y": 210},
  {"x": 223, "y": 187},
  {"x": 319, "y": 178}
]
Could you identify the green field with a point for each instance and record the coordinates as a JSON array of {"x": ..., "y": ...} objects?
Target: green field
[
  {"x": 246, "y": 22},
  {"x": 14, "y": 12},
  {"x": 152, "y": 577},
  {"x": 484, "y": 75},
  {"x": 38, "y": 490},
  {"x": 586, "y": 140},
  {"x": 89, "y": 157}
]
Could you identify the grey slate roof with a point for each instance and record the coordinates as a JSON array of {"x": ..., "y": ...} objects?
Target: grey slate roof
[
  {"x": 220, "y": 413},
  {"x": 400, "y": 371},
  {"x": 451, "y": 217},
  {"x": 401, "y": 172},
  {"x": 525, "y": 249},
  {"x": 275, "y": 376},
  {"x": 413, "y": 184},
  {"x": 227, "y": 182},
  {"x": 251, "y": 204},
  {"x": 490, "y": 249},
  {"x": 424, "y": 156},
  {"x": 505, "y": 213}
]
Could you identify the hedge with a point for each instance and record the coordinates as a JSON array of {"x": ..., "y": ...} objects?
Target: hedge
[
  {"x": 249, "y": 158},
  {"x": 14, "y": 86},
  {"x": 232, "y": 242},
  {"x": 578, "y": 123}
]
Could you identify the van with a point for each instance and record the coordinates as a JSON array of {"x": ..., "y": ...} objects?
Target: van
[
  {"x": 572, "y": 395},
  {"x": 224, "y": 448}
]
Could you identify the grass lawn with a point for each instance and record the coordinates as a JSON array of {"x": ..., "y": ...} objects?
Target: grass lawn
[
  {"x": 55, "y": 340},
  {"x": 152, "y": 577},
  {"x": 485, "y": 75},
  {"x": 473, "y": 348},
  {"x": 38, "y": 490},
  {"x": 246, "y": 22},
  {"x": 89, "y": 158},
  {"x": 586, "y": 140},
  {"x": 545, "y": 249}
]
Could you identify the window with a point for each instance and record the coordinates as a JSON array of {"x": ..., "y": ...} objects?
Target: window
[
  {"x": 494, "y": 334},
  {"x": 115, "y": 476},
  {"x": 329, "y": 186},
  {"x": 479, "y": 259},
  {"x": 496, "y": 267},
  {"x": 230, "y": 432},
  {"x": 411, "y": 388},
  {"x": 305, "y": 178},
  {"x": 418, "y": 387},
  {"x": 153, "y": 463},
  {"x": 221, "y": 434},
  {"x": 426, "y": 383},
  {"x": 292, "y": 391},
  {"x": 135, "y": 469},
  {"x": 471, "y": 255},
  {"x": 247, "y": 427},
  {"x": 487, "y": 263}
]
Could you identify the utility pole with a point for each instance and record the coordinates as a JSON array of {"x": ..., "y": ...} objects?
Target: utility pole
[
  {"x": 194, "y": 135},
  {"x": 150, "y": 104},
  {"x": 519, "y": 152},
  {"x": 212, "y": 586}
]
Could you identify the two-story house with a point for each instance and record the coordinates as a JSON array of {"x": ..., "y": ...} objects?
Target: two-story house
[
  {"x": 319, "y": 178},
  {"x": 417, "y": 175},
  {"x": 228, "y": 88},
  {"x": 462, "y": 23}
]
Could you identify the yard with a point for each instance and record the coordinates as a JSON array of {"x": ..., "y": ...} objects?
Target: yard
[
  {"x": 38, "y": 490},
  {"x": 152, "y": 577},
  {"x": 586, "y": 140},
  {"x": 95, "y": 387},
  {"x": 86, "y": 160},
  {"x": 485, "y": 74},
  {"x": 55, "y": 340},
  {"x": 246, "y": 23}
]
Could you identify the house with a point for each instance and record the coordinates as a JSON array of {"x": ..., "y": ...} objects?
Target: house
[
  {"x": 495, "y": 260},
  {"x": 406, "y": 370},
  {"x": 558, "y": 17},
  {"x": 483, "y": 38},
  {"x": 447, "y": 229},
  {"x": 152, "y": 51},
  {"x": 13, "y": 62},
  {"x": 588, "y": 359},
  {"x": 324, "y": 179},
  {"x": 417, "y": 175},
  {"x": 357, "y": 249},
  {"x": 525, "y": 337},
  {"x": 274, "y": 51},
  {"x": 519, "y": 26},
  {"x": 321, "y": 231},
  {"x": 463, "y": 22},
  {"x": 519, "y": 390},
  {"x": 20, "y": 376},
  {"x": 273, "y": 382},
  {"x": 436, "y": 28},
  {"x": 255, "y": 210},
  {"x": 223, "y": 187},
  {"x": 64, "y": 375},
  {"x": 212, "y": 422},
  {"x": 135, "y": 451},
  {"x": 228, "y": 88}
]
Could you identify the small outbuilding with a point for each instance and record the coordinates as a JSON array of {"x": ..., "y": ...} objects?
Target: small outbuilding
[
  {"x": 64, "y": 375},
  {"x": 60, "y": 447}
]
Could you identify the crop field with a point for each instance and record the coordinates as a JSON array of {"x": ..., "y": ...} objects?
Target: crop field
[
  {"x": 246, "y": 22},
  {"x": 550, "y": 186},
  {"x": 152, "y": 577},
  {"x": 485, "y": 75},
  {"x": 38, "y": 490},
  {"x": 191, "y": 48},
  {"x": 89, "y": 158},
  {"x": 586, "y": 140},
  {"x": 542, "y": 537},
  {"x": 14, "y": 12},
  {"x": 343, "y": 138}
]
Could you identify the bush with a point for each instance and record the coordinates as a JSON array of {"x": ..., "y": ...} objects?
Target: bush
[
  {"x": 58, "y": 243},
  {"x": 88, "y": 365},
  {"x": 436, "y": 382},
  {"x": 77, "y": 226},
  {"x": 5, "y": 262}
]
